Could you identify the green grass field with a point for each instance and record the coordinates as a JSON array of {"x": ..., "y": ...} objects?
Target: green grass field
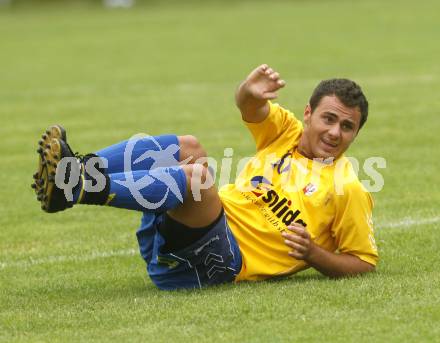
[{"x": 173, "y": 68}]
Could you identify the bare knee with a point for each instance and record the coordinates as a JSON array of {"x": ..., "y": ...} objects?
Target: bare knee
[
  {"x": 198, "y": 179},
  {"x": 190, "y": 147}
]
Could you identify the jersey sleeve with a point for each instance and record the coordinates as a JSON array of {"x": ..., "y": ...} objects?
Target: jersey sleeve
[
  {"x": 353, "y": 226},
  {"x": 279, "y": 124}
]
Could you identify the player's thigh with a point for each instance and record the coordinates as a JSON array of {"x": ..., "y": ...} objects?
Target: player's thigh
[{"x": 202, "y": 204}]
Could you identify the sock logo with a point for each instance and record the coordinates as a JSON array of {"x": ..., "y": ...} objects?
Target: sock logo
[{"x": 161, "y": 158}]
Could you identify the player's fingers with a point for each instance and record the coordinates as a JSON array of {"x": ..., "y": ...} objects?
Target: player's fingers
[
  {"x": 300, "y": 240},
  {"x": 295, "y": 241},
  {"x": 295, "y": 227},
  {"x": 298, "y": 229},
  {"x": 287, "y": 235},
  {"x": 296, "y": 255},
  {"x": 281, "y": 83},
  {"x": 262, "y": 68},
  {"x": 269, "y": 71},
  {"x": 296, "y": 247},
  {"x": 270, "y": 95},
  {"x": 299, "y": 248},
  {"x": 289, "y": 243},
  {"x": 274, "y": 76}
]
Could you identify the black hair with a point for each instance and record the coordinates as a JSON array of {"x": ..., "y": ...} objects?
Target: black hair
[{"x": 347, "y": 91}]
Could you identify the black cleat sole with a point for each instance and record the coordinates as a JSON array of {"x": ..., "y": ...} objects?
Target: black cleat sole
[{"x": 50, "y": 152}]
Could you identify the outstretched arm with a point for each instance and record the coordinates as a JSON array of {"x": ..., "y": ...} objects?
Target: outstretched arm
[
  {"x": 328, "y": 263},
  {"x": 251, "y": 97}
]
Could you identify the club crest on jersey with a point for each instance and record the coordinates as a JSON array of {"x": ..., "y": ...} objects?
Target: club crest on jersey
[{"x": 310, "y": 189}]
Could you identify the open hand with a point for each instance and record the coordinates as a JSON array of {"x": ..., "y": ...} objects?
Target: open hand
[{"x": 263, "y": 83}]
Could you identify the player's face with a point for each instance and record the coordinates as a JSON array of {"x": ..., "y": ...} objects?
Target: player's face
[{"x": 330, "y": 129}]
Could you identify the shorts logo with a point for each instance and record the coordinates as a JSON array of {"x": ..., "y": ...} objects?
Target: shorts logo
[
  {"x": 215, "y": 263},
  {"x": 167, "y": 261}
]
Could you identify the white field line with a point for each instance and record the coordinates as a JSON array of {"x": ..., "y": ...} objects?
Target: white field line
[
  {"x": 407, "y": 222},
  {"x": 29, "y": 262}
]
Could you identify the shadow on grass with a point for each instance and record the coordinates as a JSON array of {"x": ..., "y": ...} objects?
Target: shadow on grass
[{"x": 150, "y": 288}]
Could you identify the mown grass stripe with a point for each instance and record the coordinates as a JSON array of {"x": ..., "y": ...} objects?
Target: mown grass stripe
[{"x": 27, "y": 263}]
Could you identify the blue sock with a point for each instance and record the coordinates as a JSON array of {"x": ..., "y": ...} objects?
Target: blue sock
[
  {"x": 142, "y": 153},
  {"x": 162, "y": 189}
]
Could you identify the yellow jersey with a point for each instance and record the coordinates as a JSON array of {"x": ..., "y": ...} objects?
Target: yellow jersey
[{"x": 279, "y": 187}]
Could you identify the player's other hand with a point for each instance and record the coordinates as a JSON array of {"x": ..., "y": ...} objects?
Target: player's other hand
[
  {"x": 263, "y": 83},
  {"x": 298, "y": 238}
]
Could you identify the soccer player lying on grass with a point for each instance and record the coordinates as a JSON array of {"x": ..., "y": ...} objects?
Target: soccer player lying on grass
[{"x": 280, "y": 216}]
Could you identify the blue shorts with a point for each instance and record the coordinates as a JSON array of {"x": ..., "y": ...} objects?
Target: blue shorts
[{"x": 213, "y": 259}]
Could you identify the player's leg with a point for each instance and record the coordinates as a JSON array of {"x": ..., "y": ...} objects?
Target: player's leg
[
  {"x": 166, "y": 150},
  {"x": 65, "y": 180},
  {"x": 156, "y": 190},
  {"x": 192, "y": 245},
  {"x": 202, "y": 203},
  {"x": 187, "y": 192},
  {"x": 147, "y": 152},
  {"x": 186, "y": 149},
  {"x": 209, "y": 253},
  {"x": 164, "y": 188},
  {"x": 191, "y": 220}
]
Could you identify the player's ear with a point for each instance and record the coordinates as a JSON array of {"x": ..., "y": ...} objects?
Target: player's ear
[{"x": 307, "y": 114}]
